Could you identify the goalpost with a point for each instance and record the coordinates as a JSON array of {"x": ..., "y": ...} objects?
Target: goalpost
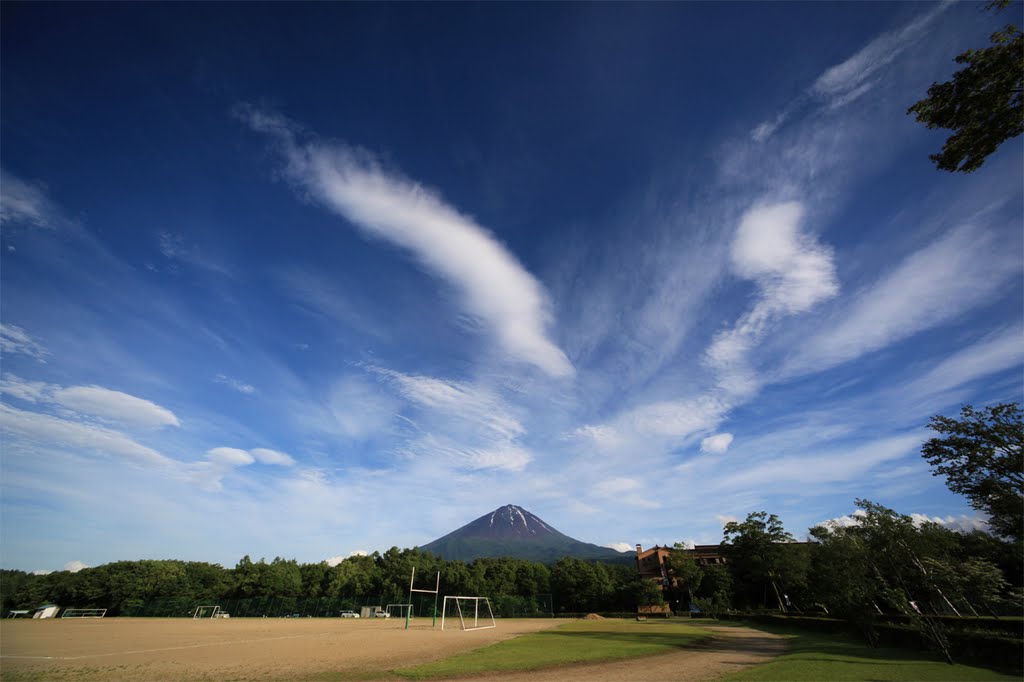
[
  {"x": 399, "y": 610},
  {"x": 206, "y": 612},
  {"x": 83, "y": 613},
  {"x": 435, "y": 592},
  {"x": 471, "y": 612}
]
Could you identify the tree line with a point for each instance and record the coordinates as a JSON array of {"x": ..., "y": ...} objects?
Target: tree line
[
  {"x": 568, "y": 586},
  {"x": 877, "y": 562}
]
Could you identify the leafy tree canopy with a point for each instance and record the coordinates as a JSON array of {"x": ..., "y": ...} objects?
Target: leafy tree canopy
[
  {"x": 982, "y": 102},
  {"x": 982, "y": 457}
]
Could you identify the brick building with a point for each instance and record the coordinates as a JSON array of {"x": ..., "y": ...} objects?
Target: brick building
[{"x": 652, "y": 564}]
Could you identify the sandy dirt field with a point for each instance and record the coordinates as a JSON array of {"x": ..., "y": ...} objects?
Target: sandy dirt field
[
  {"x": 312, "y": 648},
  {"x": 229, "y": 649}
]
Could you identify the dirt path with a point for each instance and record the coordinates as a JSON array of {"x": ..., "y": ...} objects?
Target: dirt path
[{"x": 732, "y": 649}]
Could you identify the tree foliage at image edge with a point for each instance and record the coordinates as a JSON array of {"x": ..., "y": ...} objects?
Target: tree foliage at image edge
[{"x": 982, "y": 104}]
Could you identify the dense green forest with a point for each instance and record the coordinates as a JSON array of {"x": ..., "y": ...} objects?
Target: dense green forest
[{"x": 129, "y": 587}]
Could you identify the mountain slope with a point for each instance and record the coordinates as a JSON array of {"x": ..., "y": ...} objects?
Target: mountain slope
[{"x": 512, "y": 531}]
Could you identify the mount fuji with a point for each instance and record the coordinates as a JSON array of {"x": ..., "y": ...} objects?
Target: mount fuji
[{"x": 512, "y": 531}]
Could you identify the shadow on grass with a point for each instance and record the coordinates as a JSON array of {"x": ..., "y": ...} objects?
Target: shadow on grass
[
  {"x": 641, "y": 638},
  {"x": 808, "y": 648}
]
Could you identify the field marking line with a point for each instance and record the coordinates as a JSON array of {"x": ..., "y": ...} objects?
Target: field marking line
[{"x": 166, "y": 648}]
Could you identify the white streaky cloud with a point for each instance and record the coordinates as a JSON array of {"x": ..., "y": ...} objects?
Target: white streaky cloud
[
  {"x": 995, "y": 353},
  {"x": 267, "y": 456},
  {"x": 848, "y": 80},
  {"x": 46, "y": 429},
  {"x": 726, "y": 518},
  {"x": 14, "y": 339},
  {"x": 116, "y": 406},
  {"x": 764, "y": 130},
  {"x": 173, "y": 248},
  {"x": 232, "y": 457},
  {"x": 494, "y": 286},
  {"x": 602, "y": 436},
  {"x": 505, "y": 458},
  {"x": 621, "y": 547},
  {"x": 440, "y": 452},
  {"x": 678, "y": 418},
  {"x": 317, "y": 295},
  {"x": 615, "y": 486},
  {"x": 456, "y": 399},
  {"x": 359, "y": 409},
  {"x": 716, "y": 444},
  {"x": 656, "y": 426},
  {"x": 624, "y": 491},
  {"x": 29, "y": 391},
  {"x": 964, "y": 269},
  {"x": 171, "y": 245},
  {"x": 75, "y": 566},
  {"x": 22, "y": 202},
  {"x": 822, "y": 467},
  {"x": 234, "y": 384}
]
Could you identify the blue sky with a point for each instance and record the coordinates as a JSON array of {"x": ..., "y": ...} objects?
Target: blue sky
[{"x": 309, "y": 280}]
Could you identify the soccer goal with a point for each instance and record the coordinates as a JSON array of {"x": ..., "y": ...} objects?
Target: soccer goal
[
  {"x": 206, "y": 612},
  {"x": 83, "y": 613},
  {"x": 399, "y": 610},
  {"x": 474, "y": 613}
]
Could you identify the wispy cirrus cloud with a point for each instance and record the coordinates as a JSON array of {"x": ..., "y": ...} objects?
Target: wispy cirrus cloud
[
  {"x": 48, "y": 429},
  {"x": 175, "y": 249},
  {"x": 446, "y": 453},
  {"x": 822, "y": 465},
  {"x": 855, "y": 76},
  {"x": 960, "y": 270},
  {"x": 793, "y": 273},
  {"x": 655, "y": 426},
  {"x": 14, "y": 339},
  {"x": 457, "y": 400},
  {"x": 27, "y": 203},
  {"x": 851, "y": 78},
  {"x": 234, "y": 384},
  {"x": 996, "y": 352},
  {"x": 494, "y": 286}
]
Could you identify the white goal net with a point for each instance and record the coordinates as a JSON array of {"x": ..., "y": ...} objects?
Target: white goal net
[
  {"x": 474, "y": 613},
  {"x": 206, "y": 612},
  {"x": 399, "y": 610},
  {"x": 83, "y": 613}
]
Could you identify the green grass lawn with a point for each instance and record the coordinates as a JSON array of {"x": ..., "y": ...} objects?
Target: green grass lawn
[
  {"x": 835, "y": 658},
  {"x": 580, "y": 642}
]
